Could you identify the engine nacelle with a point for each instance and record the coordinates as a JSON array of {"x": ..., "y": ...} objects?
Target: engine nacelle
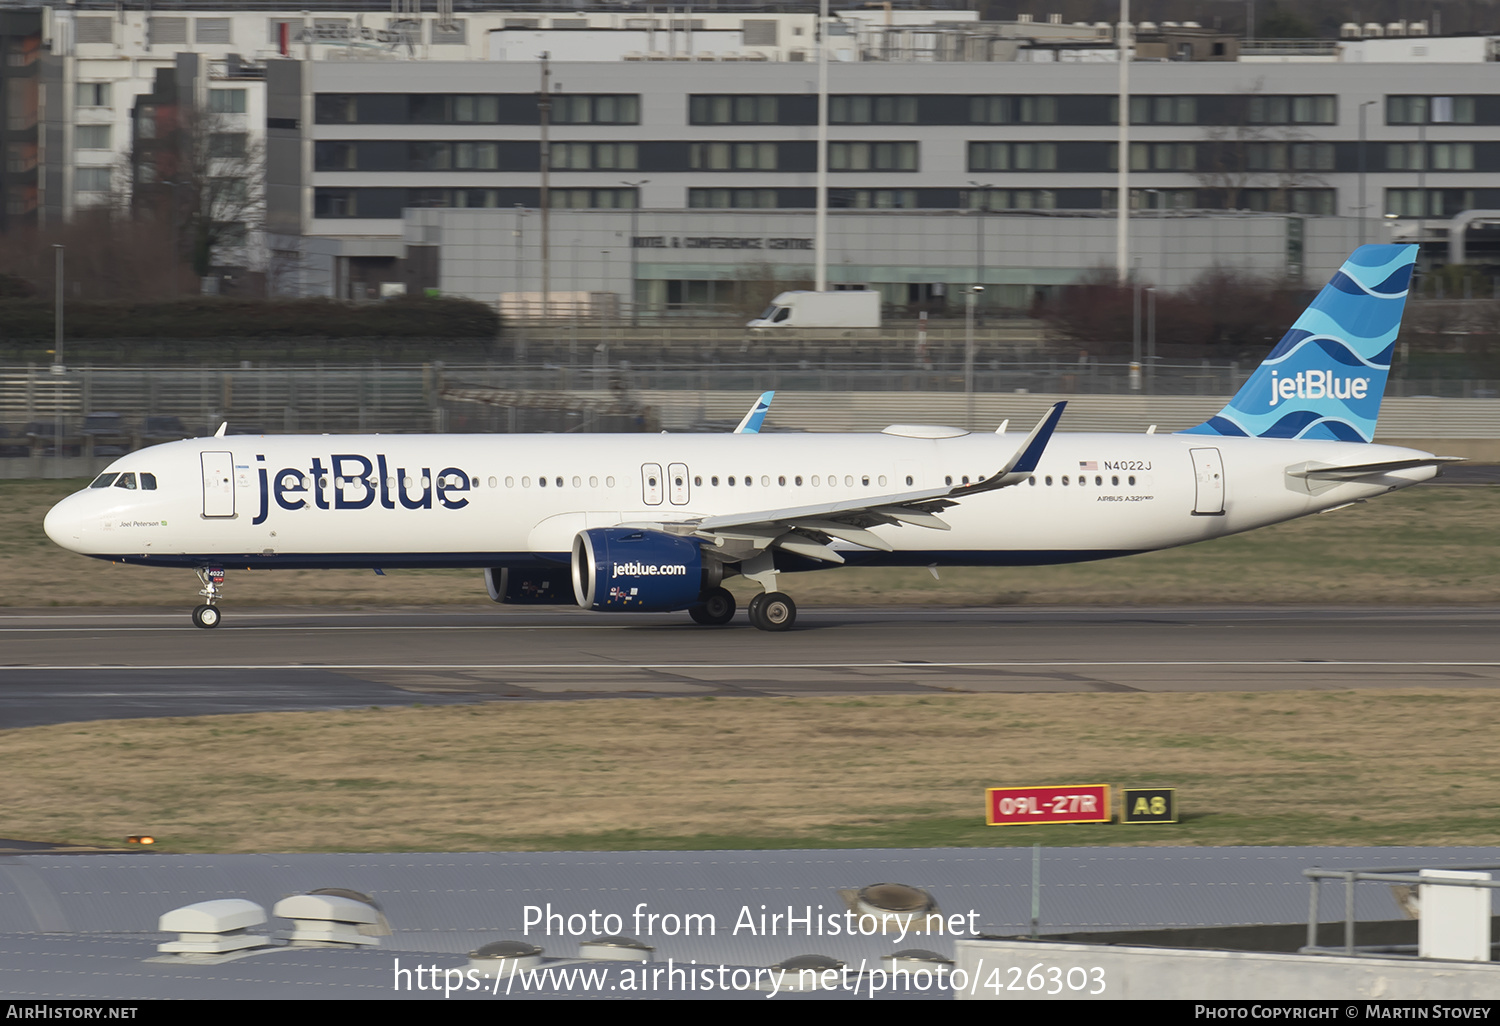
[
  {"x": 630, "y": 570},
  {"x": 528, "y": 587}
]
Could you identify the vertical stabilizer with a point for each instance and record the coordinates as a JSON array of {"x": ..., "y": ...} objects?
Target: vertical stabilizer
[{"x": 1326, "y": 377}]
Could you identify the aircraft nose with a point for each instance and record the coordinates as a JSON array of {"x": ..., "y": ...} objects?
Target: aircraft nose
[{"x": 63, "y": 524}]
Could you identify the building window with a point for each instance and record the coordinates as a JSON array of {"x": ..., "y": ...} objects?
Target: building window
[
  {"x": 226, "y": 144},
  {"x": 610, "y": 109},
  {"x": 1292, "y": 110},
  {"x": 479, "y": 109},
  {"x": 872, "y": 156},
  {"x": 1005, "y": 156},
  {"x": 226, "y": 101},
  {"x": 725, "y": 156},
  {"x": 591, "y": 199},
  {"x": 586, "y": 156},
  {"x": 92, "y": 137},
  {"x": 91, "y": 94},
  {"x": 733, "y": 199},
  {"x": 734, "y": 110},
  {"x": 1429, "y": 110},
  {"x": 1006, "y": 110},
  {"x": 1164, "y": 110},
  {"x": 92, "y": 179},
  {"x": 872, "y": 110}
]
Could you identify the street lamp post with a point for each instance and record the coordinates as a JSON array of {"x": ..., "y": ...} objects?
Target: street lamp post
[
  {"x": 969, "y": 299},
  {"x": 980, "y": 209},
  {"x": 58, "y": 367},
  {"x": 635, "y": 207},
  {"x": 1364, "y": 210}
]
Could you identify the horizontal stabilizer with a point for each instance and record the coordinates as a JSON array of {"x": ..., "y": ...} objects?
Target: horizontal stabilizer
[{"x": 1355, "y": 471}]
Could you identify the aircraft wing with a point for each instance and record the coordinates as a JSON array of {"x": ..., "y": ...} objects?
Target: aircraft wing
[{"x": 808, "y": 530}]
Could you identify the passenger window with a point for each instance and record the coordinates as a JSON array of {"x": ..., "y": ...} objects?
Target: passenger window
[
  {"x": 781, "y": 480},
  {"x": 714, "y": 480},
  {"x": 798, "y": 479},
  {"x": 865, "y": 480},
  {"x": 881, "y": 482},
  {"x": 1065, "y": 479},
  {"x": 749, "y": 480},
  {"x": 1132, "y": 480},
  {"x": 126, "y": 481},
  {"x": 1115, "y": 480},
  {"x": 697, "y": 481},
  {"x": 609, "y": 482},
  {"x": 966, "y": 479},
  {"x": 541, "y": 482},
  {"x": 559, "y": 482},
  {"x": 948, "y": 480},
  {"x": 815, "y": 480},
  {"x": 908, "y": 479},
  {"x": 848, "y": 480},
  {"x": 593, "y": 482},
  {"x": 731, "y": 481},
  {"x": 510, "y": 482},
  {"x": 577, "y": 482},
  {"x": 104, "y": 481},
  {"x": 1031, "y": 481},
  {"x": 1098, "y": 480},
  {"x": 1049, "y": 480},
  {"x": 148, "y": 482},
  {"x": 765, "y": 480}
]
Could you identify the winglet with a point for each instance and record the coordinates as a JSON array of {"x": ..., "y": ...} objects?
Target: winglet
[
  {"x": 222, "y": 428},
  {"x": 751, "y": 424},
  {"x": 1026, "y": 458}
]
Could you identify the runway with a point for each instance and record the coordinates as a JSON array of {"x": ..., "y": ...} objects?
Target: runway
[{"x": 63, "y": 666}]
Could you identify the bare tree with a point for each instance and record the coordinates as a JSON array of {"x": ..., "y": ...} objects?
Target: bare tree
[
  {"x": 1258, "y": 147},
  {"x": 203, "y": 176}
]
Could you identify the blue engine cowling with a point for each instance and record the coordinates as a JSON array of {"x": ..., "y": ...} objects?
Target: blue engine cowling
[{"x": 629, "y": 570}]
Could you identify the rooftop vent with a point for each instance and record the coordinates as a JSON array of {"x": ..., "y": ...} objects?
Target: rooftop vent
[
  {"x": 213, "y": 927},
  {"x": 329, "y": 919},
  {"x": 512, "y": 955},
  {"x": 615, "y": 949}
]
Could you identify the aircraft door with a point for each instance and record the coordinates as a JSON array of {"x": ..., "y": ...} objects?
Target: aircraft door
[
  {"x": 651, "y": 483},
  {"x": 218, "y": 484},
  {"x": 677, "y": 481},
  {"x": 1208, "y": 469}
]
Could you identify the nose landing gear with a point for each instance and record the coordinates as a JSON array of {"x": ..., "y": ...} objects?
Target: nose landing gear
[{"x": 207, "y": 615}]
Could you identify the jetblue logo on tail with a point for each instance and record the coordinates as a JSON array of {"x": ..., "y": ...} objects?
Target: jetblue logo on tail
[
  {"x": 1316, "y": 384},
  {"x": 1326, "y": 377}
]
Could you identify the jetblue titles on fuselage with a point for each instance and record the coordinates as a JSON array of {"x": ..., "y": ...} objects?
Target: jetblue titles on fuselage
[{"x": 353, "y": 481}]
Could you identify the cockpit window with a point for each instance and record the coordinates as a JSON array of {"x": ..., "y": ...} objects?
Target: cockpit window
[
  {"x": 148, "y": 482},
  {"x": 126, "y": 481},
  {"x": 104, "y": 480}
]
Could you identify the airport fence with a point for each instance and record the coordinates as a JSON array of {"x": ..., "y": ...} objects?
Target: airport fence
[{"x": 101, "y": 412}]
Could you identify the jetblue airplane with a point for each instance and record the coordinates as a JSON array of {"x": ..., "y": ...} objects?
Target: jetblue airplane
[{"x": 657, "y": 523}]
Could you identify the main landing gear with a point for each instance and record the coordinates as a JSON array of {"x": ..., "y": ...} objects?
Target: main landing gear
[
  {"x": 769, "y": 611},
  {"x": 773, "y": 611},
  {"x": 716, "y": 609},
  {"x": 207, "y": 615}
]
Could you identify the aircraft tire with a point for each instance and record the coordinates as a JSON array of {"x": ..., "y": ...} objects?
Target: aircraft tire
[
  {"x": 753, "y": 608},
  {"x": 776, "y": 612},
  {"x": 716, "y": 609},
  {"x": 206, "y": 616}
]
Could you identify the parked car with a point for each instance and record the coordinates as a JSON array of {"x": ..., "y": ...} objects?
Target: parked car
[
  {"x": 106, "y": 434},
  {"x": 41, "y": 437},
  {"x": 158, "y": 429}
]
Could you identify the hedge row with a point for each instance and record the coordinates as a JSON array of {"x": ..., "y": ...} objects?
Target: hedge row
[{"x": 24, "y": 321}]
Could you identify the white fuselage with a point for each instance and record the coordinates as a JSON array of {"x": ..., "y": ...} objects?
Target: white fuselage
[{"x": 480, "y": 501}]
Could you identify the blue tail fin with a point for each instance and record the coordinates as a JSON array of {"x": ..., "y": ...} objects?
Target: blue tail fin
[{"x": 1326, "y": 377}]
